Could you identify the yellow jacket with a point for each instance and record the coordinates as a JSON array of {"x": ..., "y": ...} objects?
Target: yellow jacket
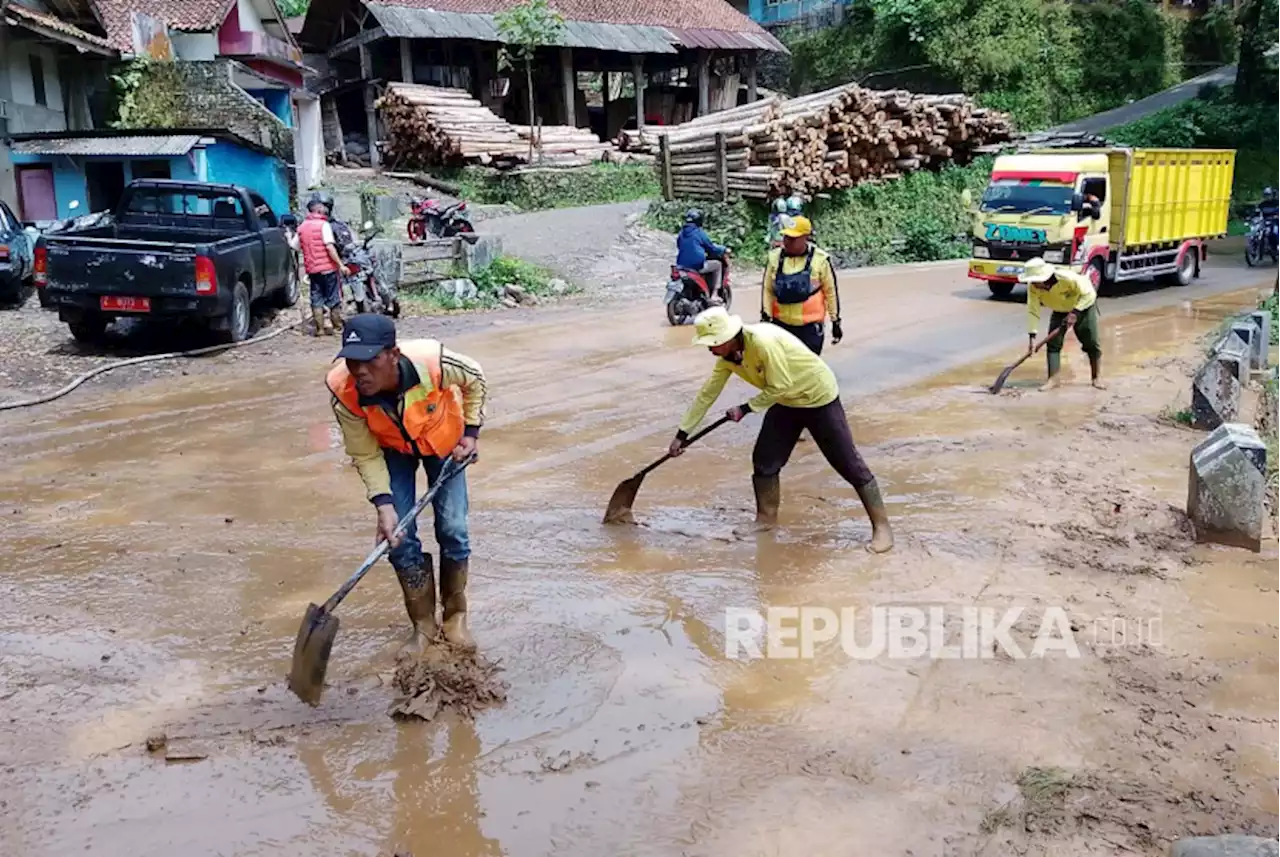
[
  {"x": 784, "y": 370},
  {"x": 1071, "y": 291},
  {"x": 456, "y": 370},
  {"x": 823, "y": 274}
]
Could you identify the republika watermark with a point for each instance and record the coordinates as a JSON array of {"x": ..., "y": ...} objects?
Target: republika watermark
[{"x": 916, "y": 632}]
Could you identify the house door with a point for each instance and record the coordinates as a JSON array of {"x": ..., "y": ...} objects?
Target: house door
[
  {"x": 35, "y": 193},
  {"x": 105, "y": 180}
]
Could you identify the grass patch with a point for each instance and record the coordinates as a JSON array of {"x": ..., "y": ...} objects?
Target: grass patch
[
  {"x": 1042, "y": 795},
  {"x": 491, "y": 285},
  {"x": 536, "y": 190},
  {"x": 1176, "y": 416}
]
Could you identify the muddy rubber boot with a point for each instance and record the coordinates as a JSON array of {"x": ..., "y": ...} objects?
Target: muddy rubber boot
[
  {"x": 1054, "y": 360},
  {"x": 419, "y": 588},
  {"x": 335, "y": 315},
  {"x": 317, "y": 318},
  {"x": 453, "y": 588},
  {"x": 881, "y": 532},
  {"x": 1095, "y": 370},
  {"x": 768, "y": 491}
]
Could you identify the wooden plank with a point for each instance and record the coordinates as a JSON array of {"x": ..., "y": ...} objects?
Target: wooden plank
[
  {"x": 722, "y": 167},
  {"x": 664, "y": 159}
]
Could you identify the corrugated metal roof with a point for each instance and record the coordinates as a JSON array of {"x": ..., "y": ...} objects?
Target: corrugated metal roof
[
  {"x": 167, "y": 146},
  {"x": 727, "y": 40},
  {"x": 408, "y": 23}
]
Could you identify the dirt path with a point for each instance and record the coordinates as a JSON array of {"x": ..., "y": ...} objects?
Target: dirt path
[{"x": 163, "y": 542}]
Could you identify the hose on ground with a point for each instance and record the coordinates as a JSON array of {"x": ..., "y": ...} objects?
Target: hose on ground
[{"x": 134, "y": 361}]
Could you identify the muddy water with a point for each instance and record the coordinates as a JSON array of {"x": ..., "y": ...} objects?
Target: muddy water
[{"x": 162, "y": 544}]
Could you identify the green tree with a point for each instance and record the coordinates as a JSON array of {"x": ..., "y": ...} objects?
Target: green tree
[
  {"x": 524, "y": 28},
  {"x": 1256, "y": 74}
]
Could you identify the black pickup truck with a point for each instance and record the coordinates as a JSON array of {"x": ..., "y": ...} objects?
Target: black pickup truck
[{"x": 173, "y": 249}]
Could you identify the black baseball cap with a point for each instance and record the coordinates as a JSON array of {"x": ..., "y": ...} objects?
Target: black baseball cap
[{"x": 365, "y": 336}]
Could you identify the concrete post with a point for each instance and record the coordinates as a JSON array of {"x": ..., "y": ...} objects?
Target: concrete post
[
  {"x": 1229, "y": 845},
  {"x": 1261, "y": 346},
  {"x": 1227, "y": 486},
  {"x": 637, "y": 76},
  {"x": 1215, "y": 390},
  {"x": 406, "y": 61},
  {"x": 570, "y": 86}
]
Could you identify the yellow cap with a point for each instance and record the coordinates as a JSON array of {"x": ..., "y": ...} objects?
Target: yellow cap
[
  {"x": 715, "y": 327},
  {"x": 1037, "y": 270},
  {"x": 796, "y": 227}
]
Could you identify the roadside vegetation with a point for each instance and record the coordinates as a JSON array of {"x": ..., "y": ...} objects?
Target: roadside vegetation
[
  {"x": 539, "y": 189},
  {"x": 506, "y": 281}
]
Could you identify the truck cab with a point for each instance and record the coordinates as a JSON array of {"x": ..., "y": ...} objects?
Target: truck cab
[{"x": 1054, "y": 206}]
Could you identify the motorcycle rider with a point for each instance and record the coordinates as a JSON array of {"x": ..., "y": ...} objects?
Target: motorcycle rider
[
  {"x": 1269, "y": 208},
  {"x": 322, "y": 263},
  {"x": 695, "y": 251},
  {"x": 792, "y": 206}
]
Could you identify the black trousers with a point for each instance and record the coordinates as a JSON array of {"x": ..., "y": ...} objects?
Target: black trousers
[
  {"x": 829, "y": 428},
  {"x": 812, "y": 334}
]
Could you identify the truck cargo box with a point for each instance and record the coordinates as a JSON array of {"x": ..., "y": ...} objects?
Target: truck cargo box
[{"x": 1169, "y": 195}]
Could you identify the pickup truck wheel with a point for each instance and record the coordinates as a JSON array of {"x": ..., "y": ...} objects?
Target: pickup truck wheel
[
  {"x": 1000, "y": 290},
  {"x": 88, "y": 329},
  {"x": 237, "y": 320},
  {"x": 288, "y": 296}
]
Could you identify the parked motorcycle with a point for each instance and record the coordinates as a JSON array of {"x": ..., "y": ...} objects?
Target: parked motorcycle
[
  {"x": 689, "y": 294},
  {"x": 370, "y": 288},
  {"x": 1261, "y": 240},
  {"x": 428, "y": 217}
]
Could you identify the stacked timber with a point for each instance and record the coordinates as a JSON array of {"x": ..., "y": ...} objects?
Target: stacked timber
[
  {"x": 564, "y": 145},
  {"x": 828, "y": 140},
  {"x": 432, "y": 126},
  {"x": 644, "y": 141}
]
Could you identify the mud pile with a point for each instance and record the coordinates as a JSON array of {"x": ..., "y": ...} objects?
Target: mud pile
[
  {"x": 1119, "y": 531},
  {"x": 446, "y": 678}
]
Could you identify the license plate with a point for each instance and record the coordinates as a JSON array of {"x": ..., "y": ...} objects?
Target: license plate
[
  {"x": 1009, "y": 269},
  {"x": 121, "y": 304}
]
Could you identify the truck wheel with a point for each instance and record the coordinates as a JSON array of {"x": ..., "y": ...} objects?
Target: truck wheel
[
  {"x": 1186, "y": 269},
  {"x": 288, "y": 296},
  {"x": 1097, "y": 273},
  {"x": 1000, "y": 290},
  {"x": 88, "y": 329},
  {"x": 235, "y": 326}
]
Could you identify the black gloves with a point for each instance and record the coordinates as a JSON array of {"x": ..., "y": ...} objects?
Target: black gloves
[{"x": 837, "y": 333}]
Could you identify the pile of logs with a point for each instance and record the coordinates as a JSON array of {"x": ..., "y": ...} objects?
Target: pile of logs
[
  {"x": 644, "y": 141},
  {"x": 828, "y": 140},
  {"x": 432, "y": 126}
]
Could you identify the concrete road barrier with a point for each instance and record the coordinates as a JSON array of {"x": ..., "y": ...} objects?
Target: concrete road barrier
[
  {"x": 1231, "y": 845},
  {"x": 1227, "y": 485},
  {"x": 1215, "y": 390},
  {"x": 1260, "y": 346}
]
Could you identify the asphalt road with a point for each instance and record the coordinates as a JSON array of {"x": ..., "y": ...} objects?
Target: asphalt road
[{"x": 1151, "y": 104}]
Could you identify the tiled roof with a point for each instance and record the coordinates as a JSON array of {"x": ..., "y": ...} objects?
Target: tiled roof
[
  {"x": 185, "y": 15},
  {"x": 680, "y": 14},
  {"x": 19, "y": 15}
]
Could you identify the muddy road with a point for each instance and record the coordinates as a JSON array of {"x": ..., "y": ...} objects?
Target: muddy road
[{"x": 162, "y": 541}]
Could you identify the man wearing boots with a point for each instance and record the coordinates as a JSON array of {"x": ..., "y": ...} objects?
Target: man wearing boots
[
  {"x": 797, "y": 391},
  {"x": 1073, "y": 300},
  {"x": 398, "y": 405},
  {"x": 322, "y": 263}
]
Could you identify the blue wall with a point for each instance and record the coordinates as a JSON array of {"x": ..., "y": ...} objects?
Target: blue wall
[
  {"x": 266, "y": 174},
  {"x": 763, "y": 13},
  {"x": 277, "y": 101},
  {"x": 69, "y": 181}
]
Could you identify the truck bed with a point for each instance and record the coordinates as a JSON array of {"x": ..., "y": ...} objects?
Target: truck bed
[{"x": 1165, "y": 196}]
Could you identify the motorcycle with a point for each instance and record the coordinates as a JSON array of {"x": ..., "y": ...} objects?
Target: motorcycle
[
  {"x": 370, "y": 288},
  {"x": 1261, "y": 240},
  {"x": 689, "y": 294},
  {"x": 428, "y": 216}
]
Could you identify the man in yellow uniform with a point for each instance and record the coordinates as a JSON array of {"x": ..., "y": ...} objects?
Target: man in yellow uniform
[
  {"x": 797, "y": 391},
  {"x": 398, "y": 405},
  {"x": 1073, "y": 299},
  {"x": 799, "y": 289}
]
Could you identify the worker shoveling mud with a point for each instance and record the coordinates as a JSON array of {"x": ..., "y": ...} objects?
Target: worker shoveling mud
[{"x": 446, "y": 677}]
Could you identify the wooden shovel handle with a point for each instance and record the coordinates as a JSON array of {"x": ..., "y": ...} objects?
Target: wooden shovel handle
[{"x": 706, "y": 431}]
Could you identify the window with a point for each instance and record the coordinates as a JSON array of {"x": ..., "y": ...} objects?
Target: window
[
  {"x": 264, "y": 212},
  {"x": 1095, "y": 187},
  {"x": 37, "y": 80}
]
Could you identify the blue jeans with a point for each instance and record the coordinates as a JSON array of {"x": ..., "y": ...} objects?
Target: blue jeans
[{"x": 450, "y": 506}]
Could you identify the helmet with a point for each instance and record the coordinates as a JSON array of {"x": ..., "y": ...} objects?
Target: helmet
[
  {"x": 693, "y": 216},
  {"x": 324, "y": 198},
  {"x": 795, "y": 205},
  {"x": 1269, "y": 193},
  {"x": 780, "y": 205}
]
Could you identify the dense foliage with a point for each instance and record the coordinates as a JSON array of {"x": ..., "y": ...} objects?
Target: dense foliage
[
  {"x": 534, "y": 190},
  {"x": 1045, "y": 61}
]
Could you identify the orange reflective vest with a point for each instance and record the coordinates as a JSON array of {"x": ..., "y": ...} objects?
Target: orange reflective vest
[
  {"x": 432, "y": 423},
  {"x": 813, "y": 307},
  {"x": 315, "y": 253}
]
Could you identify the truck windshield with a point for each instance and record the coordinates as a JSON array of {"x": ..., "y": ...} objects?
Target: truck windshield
[{"x": 1019, "y": 197}]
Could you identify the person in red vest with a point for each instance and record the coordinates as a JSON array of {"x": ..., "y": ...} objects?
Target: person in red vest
[
  {"x": 399, "y": 404},
  {"x": 322, "y": 263}
]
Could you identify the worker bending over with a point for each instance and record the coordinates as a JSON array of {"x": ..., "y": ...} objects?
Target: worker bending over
[
  {"x": 797, "y": 391},
  {"x": 399, "y": 405},
  {"x": 799, "y": 289},
  {"x": 1074, "y": 300}
]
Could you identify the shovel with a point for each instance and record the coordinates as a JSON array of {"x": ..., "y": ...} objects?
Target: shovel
[
  {"x": 320, "y": 626},
  {"x": 619, "y": 511},
  {"x": 1008, "y": 370}
]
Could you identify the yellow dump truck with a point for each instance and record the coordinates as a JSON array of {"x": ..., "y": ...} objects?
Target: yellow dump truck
[{"x": 1116, "y": 214}]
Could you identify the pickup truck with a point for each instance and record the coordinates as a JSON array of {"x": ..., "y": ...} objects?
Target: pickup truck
[{"x": 174, "y": 250}]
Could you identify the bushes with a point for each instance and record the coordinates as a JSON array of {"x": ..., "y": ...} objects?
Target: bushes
[{"x": 535, "y": 190}]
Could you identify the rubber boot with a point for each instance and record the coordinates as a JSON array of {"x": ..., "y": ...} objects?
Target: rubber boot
[
  {"x": 317, "y": 317},
  {"x": 1054, "y": 359},
  {"x": 419, "y": 588},
  {"x": 1095, "y": 371},
  {"x": 768, "y": 490},
  {"x": 335, "y": 315},
  {"x": 453, "y": 588},
  {"x": 881, "y": 532}
]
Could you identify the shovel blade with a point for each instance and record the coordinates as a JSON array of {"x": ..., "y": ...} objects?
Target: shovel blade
[
  {"x": 311, "y": 654},
  {"x": 1004, "y": 376},
  {"x": 619, "y": 510}
]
